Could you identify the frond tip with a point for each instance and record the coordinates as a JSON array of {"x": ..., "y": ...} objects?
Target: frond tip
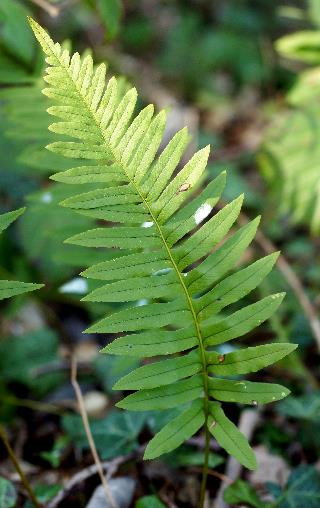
[{"x": 178, "y": 255}]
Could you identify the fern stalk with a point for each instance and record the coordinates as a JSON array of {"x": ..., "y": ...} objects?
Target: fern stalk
[
  {"x": 172, "y": 263},
  {"x": 15, "y": 462}
]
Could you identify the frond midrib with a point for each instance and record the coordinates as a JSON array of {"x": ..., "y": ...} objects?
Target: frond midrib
[{"x": 166, "y": 246}]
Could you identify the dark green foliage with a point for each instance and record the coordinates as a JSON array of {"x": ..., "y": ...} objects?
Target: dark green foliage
[
  {"x": 302, "y": 489},
  {"x": 242, "y": 493},
  {"x": 8, "y": 494},
  {"x": 114, "y": 435}
]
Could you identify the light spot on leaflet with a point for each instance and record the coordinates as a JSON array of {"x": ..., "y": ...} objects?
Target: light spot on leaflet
[
  {"x": 202, "y": 212},
  {"x": 283, "y": 394},
  {"x": 46, "y": 197},
  {"x": 184, "y": 187},
  {"x": 142, "y": 302},
  {"x": 162, "y": 271},
  {"x": 77, "y": 286},
  {"x": 147, "y": 224}
]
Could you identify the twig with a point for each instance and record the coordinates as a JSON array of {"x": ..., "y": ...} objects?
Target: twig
[
  {"x": 57, "y": 366},
  {"x": 43, "y": 407},
  {"x": 86, "y": 424},
  {"x": 52, "y": 10},
  {"x": 16, "y": 464},
  {"x": 212, "y": 472},
  {"x": 110, "y": 467},
  {"x": 293, "y": 281}
]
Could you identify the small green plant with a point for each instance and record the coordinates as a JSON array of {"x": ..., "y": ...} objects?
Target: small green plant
[
  {"x": 290, "y": 155},
  {"x": 180, "y": 283},
  {"x": 10, "y": 288}
]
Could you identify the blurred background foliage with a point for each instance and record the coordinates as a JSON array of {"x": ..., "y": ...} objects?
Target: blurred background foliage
[{"x": 244, "y": 75}]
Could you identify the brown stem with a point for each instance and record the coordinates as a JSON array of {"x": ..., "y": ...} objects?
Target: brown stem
[
  {"x": 16, "y": 464},
  {"x": 86, "y": 425},
  {"x": 52, "y": 10}
]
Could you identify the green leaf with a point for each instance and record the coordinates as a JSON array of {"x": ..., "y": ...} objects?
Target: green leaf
[
  {"x": 222, "y": 260},
  {"x": 109, "y": 369},
  {"x": 133, "y": 265},
  {"x": 303, "y": 46},
  {"x": 241, "y": 322},
  {"x": 147, "y": 316},
  {"x": 305, "y": 407},
  {"x": 235, "y": 287},
  {"x": 209, "y": 235},
  {"x": 21, "y": 355},
  {"x": 165, "y": 396},
  {"x": 7, "y": 218},
  {"x": 90, "y": 174},
  {"x": 248, "y": 360},
  {"x": 15, "y": 33},
  {"x": 195, "y": 212},
  {"x": 176, "y": 431},
  {"x": 8, "y": 494},
  {"x": 161, "y": 373},
  {"x": 242, "y": 493},
  {"x": 44, "y": 493},
  {"x": 149, "y": 502},
  {"x": 55, "y": 455},
  {"x": 153, "y": 343},
  {"x": 12, "y": 288},
  {"x": 136, "y": 288},
  {"x": 164, "y": 167},
  {"x": 229, "y": 437},
  {"x": 120, "y": 237},
  {"x": 302, "y": 489},
  {"x": 114, "y": 435},
  {"x": 76, "y": 150},
  {"x": 173, "y": 195},
  {"x": 246, "y": 392},
  {"x": 187, "y": 456},
  {"x": 120, "y": 195},
  {"x": 110, "y": 12}
]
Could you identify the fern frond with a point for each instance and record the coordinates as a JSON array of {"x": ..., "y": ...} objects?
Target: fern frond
[
  {"x": 10, "y": 288},
  {"x": 172, "y": 263},
  {"x": 289, "y": 161}
]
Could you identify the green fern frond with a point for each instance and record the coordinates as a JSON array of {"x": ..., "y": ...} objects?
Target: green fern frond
[
  {"x": 10, "y": 288},
  {"x": 290, "y": 155},
  {"x": 289, "y": 161},
  {"x": 181, "y": 283}
]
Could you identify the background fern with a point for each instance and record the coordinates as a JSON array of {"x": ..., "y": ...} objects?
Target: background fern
[
  {"x": 10, "y": 288},
  {"x": 289, "y": 158},
  {"x": 173, "y": 262}
]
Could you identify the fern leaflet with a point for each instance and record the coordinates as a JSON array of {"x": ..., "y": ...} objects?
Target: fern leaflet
[{"x": 10, "y": 288}]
